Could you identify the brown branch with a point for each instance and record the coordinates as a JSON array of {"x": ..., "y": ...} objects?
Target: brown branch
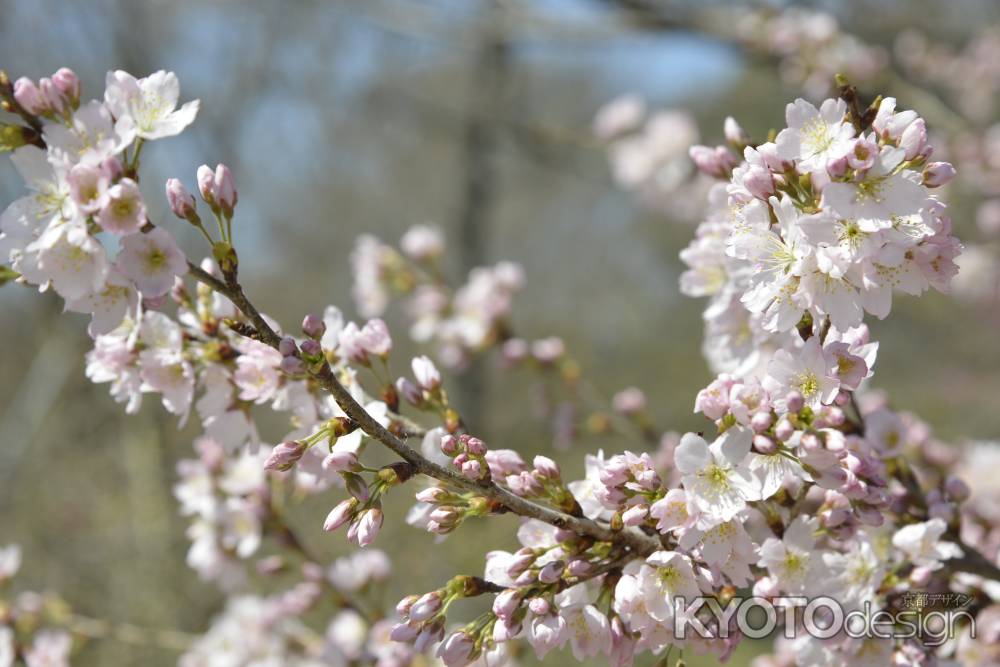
[{"x": 636, "y": 542}]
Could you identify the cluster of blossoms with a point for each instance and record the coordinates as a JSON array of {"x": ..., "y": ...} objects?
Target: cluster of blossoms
[
  {"x": 817, "y": 228},
  {"x": 810, "y": 45},
  {"x": 648, "y": 152},
  {"x": 34, "y": 627},
  {"x": 808, "y": 487},
  {"x": 461, "y": 321}
]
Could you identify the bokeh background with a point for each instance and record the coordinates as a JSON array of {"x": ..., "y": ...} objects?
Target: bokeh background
[{"x": 346, "y": 117}]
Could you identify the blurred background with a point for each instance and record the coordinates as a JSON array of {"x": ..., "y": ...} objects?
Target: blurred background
[{"x": 344, "y": 117}]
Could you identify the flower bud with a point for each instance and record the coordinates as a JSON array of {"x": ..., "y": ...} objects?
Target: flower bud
[
  {"x": 505, "y": 604},
  {"x": 519, "y": 563},
  {"x": 758, "y": 182},
  {"x": 914, "y": 139},
  {"x": 341, "y": 461},
  {"x": 449, "y": 445},
  {"x": 546, "y": 467},
  {"x": 937, "y": 174},
  {"x": 761, "y": 421},
  {"x": 635, "y": 515},
  {"x": 715, "y": 162},
  {"x": 285, "y": 455},
  {"x": 957, "y": 489},
  {"x": 472, "y": 469},
  {"x": 578, "y": 567},
  {"x": 475, "y": 447},
  {"x": 794, "y": 401},
  {"x": 764, "y": 445},
  {"x": 181, "y": 201},
  {"x": 53, "y": 98},
  {"x": 735, "y": 134},
  {"x": 206, "y": 184},
  {"x": 313, "y": 326},
  {"x": 551, "y": 572},
  {"x": 67, "y": 83},
  {"x": 293, "y": 365},
  {"x": 425, "y": 606},
  {"x": 426, "y": 373},
  {"x": 29, "y": 97},
  {"x": 410, "y": 392},
  {"x": 457, "y": 650},
  {"x": 287, "y": 346},
  {"x": 629, "y": 401},
  {"x": 869, "y": 516},
  {"x": 225, "y": 190},
  {"x": 539, "y": 606},
  {"x": 404, "y": 632},
  {"x": 784, "y": 430},
  {"x": 311, "y": 349},
  {"x": 340, "y": 514},
  {"x": 369, "y": 524}
]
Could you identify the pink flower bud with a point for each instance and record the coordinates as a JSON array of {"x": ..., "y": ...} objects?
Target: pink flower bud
[
  {"x": 433, "y": 495},
  {"x": 505, "y": 630},
  {"x": 635, "y": 515},
  {"x": 426, "y": 373},
  {"x": 403, "y": 606},
  {"x": 181, "y": 201},
  {"x": 835, "y": 416},
  {"x": 285, "y": 455},
  {"x": 427, "y": 605},
  {"x": 716, "y": 162},
  {"x": 340, "y": 514},
  {"x": 546, "y": 467},
  {"x": 957, "y": 489},
  {"x": 29, "y": 97},
  {"x": 837, "y": 167},
  {"x": 758, "y": 182},
  {"x": 475, "y": 447},
  {"x": 404, "y": 632},
  {"x": 472, "y": 470},
  {"x": 287, "y": 346},
  {"x": 225, "y": 189},
  {"x": 937, "y": 174},
  {"x": 869, "y": 516},
  {"x": 341, "y": 461},
  {"x": 835, "y": 517},
  {"x": 551, "y": 572},
  {"x": 629, "y": 401},
  {"x": 519, "y": 563},
  {"x": 539, "y": 606},
  {"x": 410, "y": 392},
  {"x": 514, "y": 350},
  {"x": 794, "y": 401},
  {"x": 313, "y": 326},
  {"x": 311, "y": 348},
  {"x": 914, "y": 139},
  {"x": 761, "y": 421},
  {"x": 449, "y": 445},
  {"x": 578, "y": 567},
  {"x": 369, "y": 524},
  {"x": 67, "y": 83},
  {"x": 53, "y": 98},
  {"x": 784, "y": 430},
  {"x": 457, "y": 649},
  {"x": 505, "y": 604},
  {"x": 293, "y": 365},
  {"x": 764, "y": 445},
  {"x": 206, "y": 184},
  {"x": 734, "y": 133}
]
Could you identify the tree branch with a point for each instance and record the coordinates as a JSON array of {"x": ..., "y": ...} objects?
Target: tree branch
[{"x": 635, "y": 541}]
